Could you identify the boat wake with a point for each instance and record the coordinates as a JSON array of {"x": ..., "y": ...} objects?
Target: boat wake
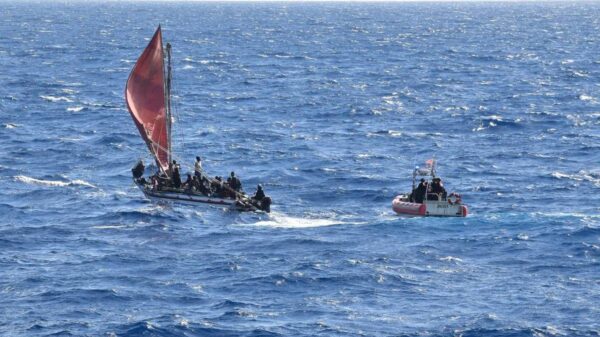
[
  {"x": 279, "y": 220},
  {"x": 54, "y": 183}
]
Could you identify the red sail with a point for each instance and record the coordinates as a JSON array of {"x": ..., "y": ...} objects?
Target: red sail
[{"x": 145, "y": 97}]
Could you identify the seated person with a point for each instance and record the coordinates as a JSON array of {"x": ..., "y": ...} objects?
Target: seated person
[
  {"x": 138, "y": 170},
  {"x": 188, "y": 183},
  {"x": 217, "y": 186},
  {"x": 260, "y": 194}
]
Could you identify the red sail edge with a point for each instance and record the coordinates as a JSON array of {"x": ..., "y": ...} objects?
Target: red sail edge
[{"x": 145, "y": 98}]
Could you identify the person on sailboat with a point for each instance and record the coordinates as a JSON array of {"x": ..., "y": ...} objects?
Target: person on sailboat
[
  {"x": 260, "y": 194},
  {"x": 175, "y": 176},
  {"x": 202, "y": 185},
  {"x": 188, "y": 184},
  {"x": 198, "y": 167},
  {"x": 138, "y": 169},
  {"x": 234, "y": 182},
  {"x": 217, "y": 186},
  {"x": 260, "y": 200}
]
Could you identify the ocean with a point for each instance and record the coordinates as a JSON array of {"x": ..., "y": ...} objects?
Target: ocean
[{"x": 329, "y": 106}]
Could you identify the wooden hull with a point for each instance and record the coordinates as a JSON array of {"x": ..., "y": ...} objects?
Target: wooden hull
[{"x": 191, "y": 198}]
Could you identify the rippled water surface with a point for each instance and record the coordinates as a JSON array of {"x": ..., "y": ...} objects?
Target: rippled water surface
[{"x": 329, "y": 106}]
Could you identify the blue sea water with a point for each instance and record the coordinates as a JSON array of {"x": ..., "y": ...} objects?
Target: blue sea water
[{"x": 329, "y": 106}]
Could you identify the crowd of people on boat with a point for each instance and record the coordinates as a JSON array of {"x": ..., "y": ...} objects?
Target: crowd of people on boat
[
  {"x": 426, "y": 191},
  {"x": 198, "y": 183}
]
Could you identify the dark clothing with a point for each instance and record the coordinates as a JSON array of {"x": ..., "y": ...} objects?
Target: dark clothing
[
  {"x": 437, "y": 188},
  {"x": 432, "y": 196},
  {"x": 259, "y": 195},
  {"x": 419, "y": 193},
  {"x": 138, "y": 170},
  {"x": 200, "y": 186},
  {"x": 188, "y": 183},
  {"x": 176, "y": 177},
  {"x": 234, "y": 183},
  {"x": 216, "y": 187}
]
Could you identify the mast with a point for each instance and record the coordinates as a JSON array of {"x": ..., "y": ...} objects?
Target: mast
[{"x": 168, "y": 98}]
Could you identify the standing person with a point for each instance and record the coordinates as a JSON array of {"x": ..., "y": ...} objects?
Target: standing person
[
  {"x": 420, "y": 191},
  {"x": 198, "y": 167},
  {"x": 438, "y": 188},
  {"x": 234, "y": 182},
  {"x": 175, "y": 175}
]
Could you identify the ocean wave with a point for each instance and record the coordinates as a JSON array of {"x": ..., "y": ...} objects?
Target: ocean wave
[
  {"x": 583, "y": 175},
  {"x": 282, "y": 221},
  {"x": 584, "y": 97},
  {"x": 451, "y": 259},
  {"x": 404, "y": 134},
  {"x": 240, "y": 98},
  {"x": 494, "y": 121},
  {"x": 175, "y": 325},
  {"x": 53, "y": 183},
  {"x": 69, "y": 91},
  {"x": 75, "y": 108},
  {"x": 56, "y": 98}
]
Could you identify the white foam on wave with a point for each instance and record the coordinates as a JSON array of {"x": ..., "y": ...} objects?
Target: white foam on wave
[
  {"x": 282, "y": 221},
  {"x": 400, "y": 134},
  {"x": 584, "y": 216},
  {"x": 582, "y": 175},
  {"x": 110, "y": 226},
  {"x": 451, "y": 259},
  {"x": 70, "y": 139},
  {"x": 479, "y": 128},
  {"x": 56, "y": 99},
  {"x": 75, "y": 108},
  {"x": 53, "y": 183}
]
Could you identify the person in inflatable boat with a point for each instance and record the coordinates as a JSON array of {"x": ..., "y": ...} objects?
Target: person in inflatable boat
[{"x": 438, "y": 189}]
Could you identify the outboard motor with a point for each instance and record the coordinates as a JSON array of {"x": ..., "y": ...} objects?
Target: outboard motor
[
  {"x": 265, "y": 204},
  {"x": 138, "y": 170}
]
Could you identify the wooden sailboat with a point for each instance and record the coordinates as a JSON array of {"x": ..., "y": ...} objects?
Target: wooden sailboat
[{"x": 148, "y": 99}]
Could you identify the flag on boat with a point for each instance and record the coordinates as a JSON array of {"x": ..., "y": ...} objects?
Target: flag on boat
[{"x": 427, "y": 170}]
